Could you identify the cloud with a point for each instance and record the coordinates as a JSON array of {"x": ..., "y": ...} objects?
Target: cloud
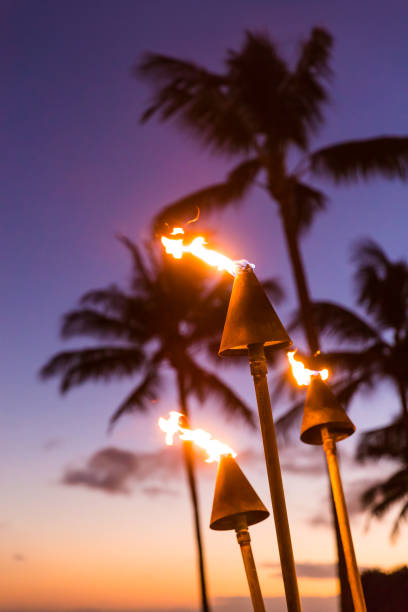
[
  {"x": 114, "y": 470},
  {"x": 52, "y": 444},
  {"x": 156, "y": 491},
  {"x": 321, "y": 520},
  {"x": 19, "y": 558},
  {"x": 309, "y": 569}
]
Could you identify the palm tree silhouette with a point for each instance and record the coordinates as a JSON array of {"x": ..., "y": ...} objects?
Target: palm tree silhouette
[
  {"x": 169, "y": 312},
  {"x": 376, "y": 350},
  {"x": 390, "y": 443},
  {"x": 264, "y": 113}
]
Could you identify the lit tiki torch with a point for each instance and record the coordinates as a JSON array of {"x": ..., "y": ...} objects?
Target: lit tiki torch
[
  {"x": 252, "y": 324},
  {"x": 235, "y": 505},
  {"x": 324, "y": 423}
]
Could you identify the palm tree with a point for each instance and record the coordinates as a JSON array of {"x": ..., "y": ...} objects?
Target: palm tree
[
  {"x": 374, "y": 349},
  {"x": 264, "y": 113},
  {"x": 387, "y": 443},
  {"x": 169, "y": 312}
]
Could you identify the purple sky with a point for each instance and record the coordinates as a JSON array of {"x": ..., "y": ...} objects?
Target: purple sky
[{"x": 77, "y": 169}]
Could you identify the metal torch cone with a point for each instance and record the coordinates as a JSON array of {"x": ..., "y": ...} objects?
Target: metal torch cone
[
  {"x": 252, "y": 324},
  {"x": 251, "y": 318},
  {"x": 236, "y": 506},
  {"x": 325, "y": 422}
]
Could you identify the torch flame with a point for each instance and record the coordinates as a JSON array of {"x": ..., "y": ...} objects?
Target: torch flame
[
  {"x": 201, "y": 438},
  {"x": 303, "y": 375},
  {"x": 175, "y": 247}
]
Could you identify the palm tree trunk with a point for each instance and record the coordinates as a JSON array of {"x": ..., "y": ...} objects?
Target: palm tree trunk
[
  {"x": 188, "y": 455},
  {"x": 346, "y": 602}
]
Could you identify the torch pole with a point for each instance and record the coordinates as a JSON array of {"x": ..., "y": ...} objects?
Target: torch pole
[
  {"x": 357, "y": 593},
  {"x": 244, "y": 540},
  {"x": 259, "y": 370}
]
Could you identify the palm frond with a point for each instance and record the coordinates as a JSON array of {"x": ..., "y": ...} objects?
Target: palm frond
[
  {"x": 209, "y": 199},
  {"x": 307, "y": 201},
  {"x": 93, "y": 324},
  {"x": 141, "y": 278},
  {"x": 203, "y": 384},
  {"x": 105, "y": 362},
  {"x": 141, "y": 398},
  {"x": 290, "y": 418},
  {"x": 402, "y": 515},
  {"x": 381, "y": 497},
  {"x": 381, "y": 285},
  {"x": 257, "y": 77},
  {"x": 111, "y": 300},
  {"x": 341, "y": 323},
  {"x": 306, "y": 85},
  {"x": 197, "y": 99},
  {"x": 346, "y": 389},
  {"x": 383, "y": 442},
  {"x": 386, "y": 156}
]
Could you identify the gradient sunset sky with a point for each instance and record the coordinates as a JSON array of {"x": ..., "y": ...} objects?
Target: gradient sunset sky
[{"x": 77, "y": 169}]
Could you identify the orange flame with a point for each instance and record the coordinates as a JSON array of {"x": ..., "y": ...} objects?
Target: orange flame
[
  {"x": 303, "y": 375},
  {"x": 201, "y": 438},
  {"x": 176, "y": 247}
]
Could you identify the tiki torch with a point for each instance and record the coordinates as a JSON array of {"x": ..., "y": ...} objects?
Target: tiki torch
[
  {"x": 236, "y": 506},
  {"x": 325, "y": 422},
  {"x": 251, "y": 324}
]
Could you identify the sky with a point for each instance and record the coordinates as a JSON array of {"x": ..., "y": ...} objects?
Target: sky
[{"x": 77, "y": 170}]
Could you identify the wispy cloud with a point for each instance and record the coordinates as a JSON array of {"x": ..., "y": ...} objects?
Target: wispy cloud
[
  {"x": 19, "y": 558},
  {"x": 155, "y": 491},
  {"x": 52, "y": 444},
  {"x": 309, "y": 569},
  {"x": 114, "y": 470}
]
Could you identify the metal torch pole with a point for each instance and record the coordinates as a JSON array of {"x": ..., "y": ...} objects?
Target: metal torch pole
[
  {"x": 357, "y": 593},
  {"x": 259, "y": 370},
  {"x": 244, "y": 540}
]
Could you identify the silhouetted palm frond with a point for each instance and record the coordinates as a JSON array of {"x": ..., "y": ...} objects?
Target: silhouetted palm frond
[
  {"x": 105, "y": 362},
  {"x": 343, "y": 324},
  {"x": 91, "y": 323},
  {"x": 381, "y": 497},
  {"x": 215, "y": 197},
  {"x": 382, "y": 442},
  {"x": 381, "y": 285},
  {"x": 307, "y": 202},
  {"x": 204, "y": 384},
  {"x": 386, "y": 156},
  {"x": 307, "y": 83},
  {"x": 142, "y": 397}
]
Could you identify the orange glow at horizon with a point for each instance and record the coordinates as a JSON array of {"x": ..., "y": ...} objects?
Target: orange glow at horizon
[
  {"x": 302, "y": 374},
  {"x": 200, "y": 437},
  {"x": 198, "y": 248}
]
